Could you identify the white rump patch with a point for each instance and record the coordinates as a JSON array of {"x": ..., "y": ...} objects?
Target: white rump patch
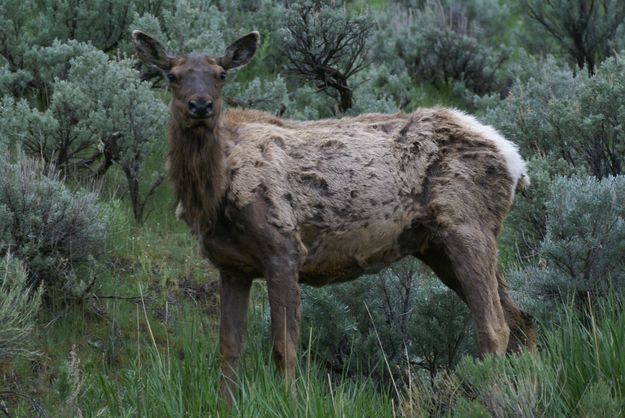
[{"x": 509, "y": 150}]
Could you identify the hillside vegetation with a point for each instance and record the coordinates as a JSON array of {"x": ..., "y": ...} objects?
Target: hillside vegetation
[{"x": 106, "y": 308}]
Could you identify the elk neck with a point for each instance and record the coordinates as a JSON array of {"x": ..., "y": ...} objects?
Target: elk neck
[{"x": 197, "y": 170}]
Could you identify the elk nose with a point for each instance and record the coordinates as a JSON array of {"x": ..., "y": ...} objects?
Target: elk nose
[{"x": 200, "y": 107}]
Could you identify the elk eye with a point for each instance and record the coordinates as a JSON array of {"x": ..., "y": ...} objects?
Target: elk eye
[
  {"x": 222, "y": 75},
  {"x": 171, "y": 77}
]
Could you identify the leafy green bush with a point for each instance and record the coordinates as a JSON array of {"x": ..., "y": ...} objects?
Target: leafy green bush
[
  {"x": 444, "y": 57},
  {"x": 187, "y": 25},
  {"x": 383, "y": 82},
  {"x": 380, "y": 90},
  {"x": 307, "y": 104},
  {"x": 19, "y": 305},
  {"x": 402, "y": 316},
  {"x": 57, "y": 233},
  {"x": 14, "y": 83},
  {"x": 51, "y": 62},
  {"x": 27, "y": 26},
  {"x": 16, "y": 33},
  {"x": 104, "y": 23}
]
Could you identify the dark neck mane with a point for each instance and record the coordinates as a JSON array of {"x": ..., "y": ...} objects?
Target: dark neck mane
[{"x": 197, "y": 171}]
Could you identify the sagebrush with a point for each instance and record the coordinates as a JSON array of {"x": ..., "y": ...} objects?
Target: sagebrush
[{"x": 56, "y": 232}]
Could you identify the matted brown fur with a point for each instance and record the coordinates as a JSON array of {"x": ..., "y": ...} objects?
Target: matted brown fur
[
  {"x": 348, "y": 188},
  {"x": 324, "y": 201}
]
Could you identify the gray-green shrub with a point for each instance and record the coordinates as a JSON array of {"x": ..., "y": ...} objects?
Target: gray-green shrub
[
  {"x": 100, "y": 114},
  {"x": 444, "y": 56},
  {"x": 57, "y": 233},
  {"x": 128, "y": 119},
  {"x": 27, "y": 26},
  {"x": 402, "y": 316},
  {"x": 268, "y": 95},
  {"x": 51, "y": 62},
  {"x": 580, "y": 257},
  {"x": 525, "y": 226},
  {"x": 446, "y": 43},
  {"x": 560, "y": 115},
  {"x": 585, "y": 237},
  {"x": 19, "y": 305},
  {"x": 187, "y": 25},
  {"x": 583, "y": 30}
]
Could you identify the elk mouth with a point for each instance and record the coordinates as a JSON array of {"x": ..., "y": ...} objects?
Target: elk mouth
[
  {"x": 200, "y": 121},
  {"x": 201, "y": 117}
]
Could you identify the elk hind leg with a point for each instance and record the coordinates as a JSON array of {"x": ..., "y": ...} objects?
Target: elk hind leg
[
  {"x": 521, "y": 324},
  {"x": 473, "y": 259},
  {"x": 435, "y": 258},
  {"x": 522, "y": 330}
]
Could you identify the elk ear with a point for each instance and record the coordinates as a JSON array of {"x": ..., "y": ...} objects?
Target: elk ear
[
  {"x": 151, "y": 51},
  {"x": 241, "y": 51}
]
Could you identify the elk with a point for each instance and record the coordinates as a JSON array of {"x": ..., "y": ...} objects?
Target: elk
[{"x": 320, "y": 202}]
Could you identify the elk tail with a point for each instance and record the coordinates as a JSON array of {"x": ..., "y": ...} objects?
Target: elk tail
[{"x": 517, "y": 168}]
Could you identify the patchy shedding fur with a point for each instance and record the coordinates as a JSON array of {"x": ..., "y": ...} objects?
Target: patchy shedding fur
[{"x": 350, "y": 187}]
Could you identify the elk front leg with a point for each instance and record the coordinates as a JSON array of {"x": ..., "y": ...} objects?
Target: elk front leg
[
  {"x": 284, "y": 300},
  {"x": 234, "y": 294}
]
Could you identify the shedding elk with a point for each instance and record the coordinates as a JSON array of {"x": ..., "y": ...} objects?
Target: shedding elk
[{"x": 320, "y": 202}]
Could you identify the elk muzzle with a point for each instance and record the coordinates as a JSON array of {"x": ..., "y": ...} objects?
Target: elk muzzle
[{"x": 200, "y": 108}]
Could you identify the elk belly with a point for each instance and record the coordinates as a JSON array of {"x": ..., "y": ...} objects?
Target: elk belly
[{"x": 335, "y": 256}]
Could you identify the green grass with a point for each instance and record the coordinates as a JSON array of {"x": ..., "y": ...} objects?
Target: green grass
[
  {"x": 181, "y": 378},
  {"x": 166, "y": 364},
  {"x": 579, "y": 371},
  {"x": 590, "y": 353}
]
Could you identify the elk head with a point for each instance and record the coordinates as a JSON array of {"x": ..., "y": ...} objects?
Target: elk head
[{"x": 195, "y": 80}]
